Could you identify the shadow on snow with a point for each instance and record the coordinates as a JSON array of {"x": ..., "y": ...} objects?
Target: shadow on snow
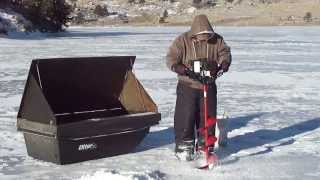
[
  {"x": 262, "y": 137},
  {"x": 265, "y": 138}
]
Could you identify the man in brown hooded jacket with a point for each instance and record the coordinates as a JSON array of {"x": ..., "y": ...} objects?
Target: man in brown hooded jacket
[{"x": 200, "y": 42}]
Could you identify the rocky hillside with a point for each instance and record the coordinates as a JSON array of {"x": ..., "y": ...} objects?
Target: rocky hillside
[
  {"x": 181, "y": 12},
  {"x": 175, "y": 12}
]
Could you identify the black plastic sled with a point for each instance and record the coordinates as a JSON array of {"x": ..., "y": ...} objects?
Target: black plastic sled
[{"x": 78, "y": 109}]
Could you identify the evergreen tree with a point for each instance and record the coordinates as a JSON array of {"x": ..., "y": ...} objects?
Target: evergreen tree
[{"x": 46, "y": 15}]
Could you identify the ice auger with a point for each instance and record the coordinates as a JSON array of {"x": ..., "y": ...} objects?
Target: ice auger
[{"x": 201, "y": 72}]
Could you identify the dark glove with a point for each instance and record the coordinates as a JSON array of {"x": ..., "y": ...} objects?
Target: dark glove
[
  {"x": 213, "y": 68},
  {"x": 191, "y": 74},
  {"x": 179, "y": 68},
  {"x": 224, "y": 66}
]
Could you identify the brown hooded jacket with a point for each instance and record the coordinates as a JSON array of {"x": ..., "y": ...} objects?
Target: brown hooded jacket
[{"x": 185, "y": 48}]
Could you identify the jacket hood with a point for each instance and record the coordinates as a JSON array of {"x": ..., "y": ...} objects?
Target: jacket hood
[{"x": 200, "y": 25}]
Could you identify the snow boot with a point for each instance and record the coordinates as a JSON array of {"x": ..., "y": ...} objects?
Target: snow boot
[{"x": 185, "y": 151}]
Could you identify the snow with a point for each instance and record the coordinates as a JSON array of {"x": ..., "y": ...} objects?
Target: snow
[
  {"x": 102, "y": 175},
  {"x": 271, "y": 95},
  {"x": 191, "y": 10}
]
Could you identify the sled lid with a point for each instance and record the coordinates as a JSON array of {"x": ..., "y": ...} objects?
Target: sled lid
[{"x": 68, "y": 85}]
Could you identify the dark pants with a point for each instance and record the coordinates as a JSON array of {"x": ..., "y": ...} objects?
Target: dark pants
[{"x": 189, "y": 111}]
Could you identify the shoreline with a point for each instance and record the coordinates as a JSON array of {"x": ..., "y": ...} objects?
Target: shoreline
[
  {"x": 230, "y": 21},
  {"x": 188, "y": 24},
  {"x": 141, "y": 25}
]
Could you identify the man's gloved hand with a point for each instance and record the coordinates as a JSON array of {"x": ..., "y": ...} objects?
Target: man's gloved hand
[
  {"x": 213, "y": 68},
  {"x": 191, "y": 74},
  {"x": 224, "y": 66},
  {"x": 181, "y": 69}
]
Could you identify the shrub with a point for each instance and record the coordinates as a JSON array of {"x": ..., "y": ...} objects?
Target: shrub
[
  {"x": 196, "y": 2},
  {"x": 46, "y": 15},
  {"x": 308, "y": 17},
  {"x": 165, "y": 14},
  {"x": 101, "y": 10}
]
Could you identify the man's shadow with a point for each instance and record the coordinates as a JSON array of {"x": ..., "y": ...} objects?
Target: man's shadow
[
  {"x": 262, "y": 137},
  {"x": 156, "y": 139},
  {"x": 267, "y": 138}
]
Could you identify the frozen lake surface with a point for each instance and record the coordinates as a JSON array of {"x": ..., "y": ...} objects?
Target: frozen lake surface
[{"x": 272, "y": 95}]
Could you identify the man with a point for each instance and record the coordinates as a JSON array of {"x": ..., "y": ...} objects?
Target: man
[{"x": 200, "y": 42}]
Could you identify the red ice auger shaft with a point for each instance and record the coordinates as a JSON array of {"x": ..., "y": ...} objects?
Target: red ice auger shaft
[{"x": 209, "y": 140}]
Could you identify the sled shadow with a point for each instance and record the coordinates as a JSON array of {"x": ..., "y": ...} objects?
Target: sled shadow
[
  {"x": 157, "y": 139},
  {"x": 264, "y": 137}
]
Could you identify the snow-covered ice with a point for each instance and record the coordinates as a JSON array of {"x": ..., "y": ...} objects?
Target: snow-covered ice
[{"x": 271, "y": 95}]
